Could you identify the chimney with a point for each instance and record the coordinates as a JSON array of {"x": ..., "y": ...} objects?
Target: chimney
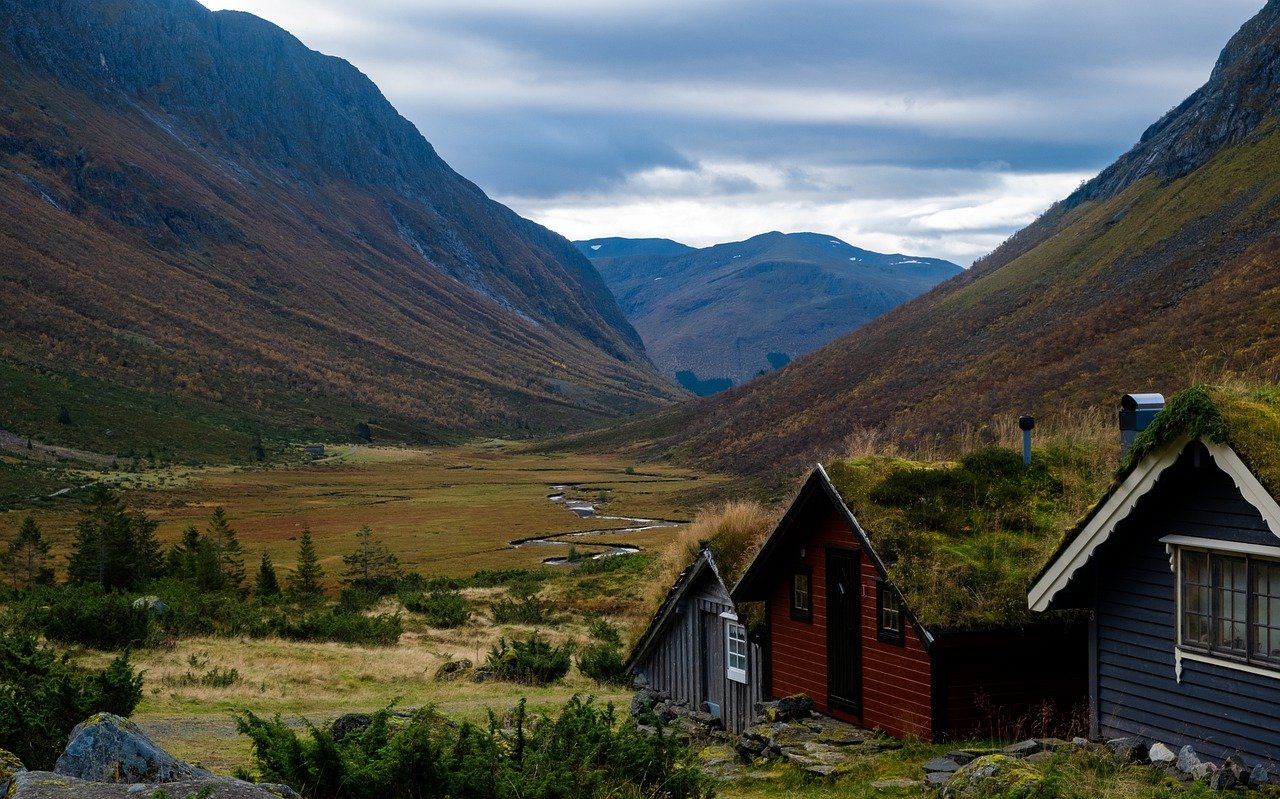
[{"x": 1136, "y": 412}]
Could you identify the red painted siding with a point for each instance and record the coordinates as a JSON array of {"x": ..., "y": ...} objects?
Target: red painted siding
[{"x": 895, "y": 679}]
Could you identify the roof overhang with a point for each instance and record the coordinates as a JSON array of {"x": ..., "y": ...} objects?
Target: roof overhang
[
  {"x": 1119, "y": 504},
  {"x": 663, "y": 618}
]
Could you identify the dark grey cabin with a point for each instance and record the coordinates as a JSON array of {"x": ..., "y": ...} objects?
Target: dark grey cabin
[
  {"x": 1180, "y": 568},
  {"x": 697, "y": 650}
]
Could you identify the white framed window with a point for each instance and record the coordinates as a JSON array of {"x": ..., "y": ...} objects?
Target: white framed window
[
  {"x": 1229, "y": 606},
  {"x": 735, "y": 651}
]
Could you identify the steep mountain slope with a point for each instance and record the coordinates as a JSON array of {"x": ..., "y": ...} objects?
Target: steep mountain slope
[
  {"x": 194, "y": 204},
  {"x": 1160, "y": 272},
  {"x": 721, "y": 315}
]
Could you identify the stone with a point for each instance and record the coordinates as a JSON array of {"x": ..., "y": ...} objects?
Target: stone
[
  {"x": 837, "y": 733},
  {"x": 482, "y": 674},
  {"x": 1043, "y": 756},
  {"x": 1201, "y": 771},
  {"x": 994, "y": 775},
  {"x": 882, "y": 785},
  {"x": 1223, "y": 779},
  {"x": 1258, "y": 775},
  {"x": 1187, "y": 759},
  {"x": 50, "y": 785},
  {"x": 108, "y": 748},
  {"x": 961, "y": 756},
  {"x": 1236, "y": 765},
  {"x": 1078, "y": 741},
  {"x": 153, "y": 605},
  {"x": 945, "y": 764},
  {"x": 453, "y": 669},
  {"x": 1161, "y": 755},
  {"x": 789, "y": 708},
  {"x": 1128, "y": 750},
  {"x": 280, "y": 790},
  {"x": 10, "y": 764},
  {"x": 938, "y": 778},
  {"x": 1023, "y": 748}
]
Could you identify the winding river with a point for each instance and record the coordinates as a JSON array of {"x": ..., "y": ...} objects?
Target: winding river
[{"x": 586, "y": 510}]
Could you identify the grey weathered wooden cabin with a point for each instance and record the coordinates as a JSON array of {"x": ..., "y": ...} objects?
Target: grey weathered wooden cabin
[
  {"x": 1179, "y": 565},
  {"x": 698, "y": 650}
]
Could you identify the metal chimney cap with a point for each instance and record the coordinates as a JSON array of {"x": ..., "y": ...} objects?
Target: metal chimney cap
[{"x": 1134, "y": 402}]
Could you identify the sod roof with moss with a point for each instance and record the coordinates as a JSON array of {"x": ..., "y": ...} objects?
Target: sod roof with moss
[{"x": 961, "y": 541}]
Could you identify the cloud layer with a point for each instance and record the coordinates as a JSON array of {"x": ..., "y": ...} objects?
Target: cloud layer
[{"x": 933, "y": 127}]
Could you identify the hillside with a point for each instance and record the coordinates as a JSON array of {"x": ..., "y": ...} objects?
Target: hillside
[
  {"x": 1159, "y": 273},
  {"x": 721, "y": 315},
  {"x": 195, "y": 206}
]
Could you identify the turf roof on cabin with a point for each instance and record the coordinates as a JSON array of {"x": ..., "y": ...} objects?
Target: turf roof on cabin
[{"x": 961, "y": 541}]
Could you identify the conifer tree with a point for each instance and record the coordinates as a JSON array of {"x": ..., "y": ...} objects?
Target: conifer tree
[
  {"x": 26, "y": 560},
  {"x": 372, "y": 566},
  {"x": 304, "y": 578},
  {"x": 113, "y": 547},
  {"x": 266, "y": 586},
  {"x": 227, "y": 546}
]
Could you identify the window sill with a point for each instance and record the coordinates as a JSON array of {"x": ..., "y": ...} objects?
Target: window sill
[
  {"x": 736, "y": 675},
  {"x": 1182, "y": 653}
]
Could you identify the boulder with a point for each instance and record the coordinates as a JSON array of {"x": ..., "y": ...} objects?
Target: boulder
[
  {"x": 151, "y": 604},
  {"x": 50, "y": 785},
  {"x": 1223, "y": 779},
  {"x": 1161, "y": 755},
  {"x": 453, "y": 669},
  {"x": 1128, "y": 750},
  {"x": 788, "y": 708},
  {"x": 994, "y": 775},
  {"x": 1258, "y": 775},
  {"x": 9, "y": 765},
  {"x": 1023, "y": 748},
  {"x": 108, "y": 748},
  {"x": 1187, "y": 760}
]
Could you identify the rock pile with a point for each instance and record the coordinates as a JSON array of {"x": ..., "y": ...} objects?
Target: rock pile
[
  {"x": 963, "y": 773},
  {"x": 108, "y": 757}
]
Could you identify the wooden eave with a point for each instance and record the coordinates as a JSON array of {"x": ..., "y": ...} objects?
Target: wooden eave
[{"x": 663, "y": 619}]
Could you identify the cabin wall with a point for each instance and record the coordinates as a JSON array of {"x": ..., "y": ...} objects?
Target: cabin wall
[
  {"x": 689, "y": 661},
  {"x": 1220, "y": 710},
  {"x": 895, "y": 679}
]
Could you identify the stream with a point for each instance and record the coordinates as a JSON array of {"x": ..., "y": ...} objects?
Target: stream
[{"x": 586, "y": 510}]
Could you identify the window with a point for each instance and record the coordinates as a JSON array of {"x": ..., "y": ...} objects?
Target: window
[
  {"x": 888, "y": 614},
  {"x": 1229, "y": 605},
  {"x": 736, "y": 652},
  {"x": 802, "y": 594}
]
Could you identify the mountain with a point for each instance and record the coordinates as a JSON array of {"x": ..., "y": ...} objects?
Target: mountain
[
  {"x": 721, "y": 315},
  {"x": 1159, "y": 273},
  {"x": 194, "y": 205}
]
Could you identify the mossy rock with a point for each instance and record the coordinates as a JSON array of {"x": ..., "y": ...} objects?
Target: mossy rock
[{"x": 998, "y": 777}]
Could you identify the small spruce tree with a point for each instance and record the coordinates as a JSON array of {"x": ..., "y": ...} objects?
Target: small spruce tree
[
  {"x": 266, "y": 586},
  {"x": 372, "y": 566},
  {"x": 113, "y": 547},
  {"x": 227, "y": 546},
  {"x": 304, "y": 578},
  {"x": 26, "y": 561}
]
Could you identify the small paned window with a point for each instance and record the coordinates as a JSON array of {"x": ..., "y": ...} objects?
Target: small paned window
[
  {"x": 889, "y": 613},
  {"x": 802, "y": 594},
  {"x": 1230, "y": 605},
  {"x": 736, "y": 652}
]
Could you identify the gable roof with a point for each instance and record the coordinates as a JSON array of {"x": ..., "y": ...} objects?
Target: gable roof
[
  {"x": 663, "y": 619},
  {"x": 1241, "y": 431},
  {"x": 755, "y": 582}
]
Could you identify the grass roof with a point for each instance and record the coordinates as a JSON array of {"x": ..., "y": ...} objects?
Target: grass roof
[
  {"x": 962, "y": 540},
  {"x": 1245, "y": 418}
]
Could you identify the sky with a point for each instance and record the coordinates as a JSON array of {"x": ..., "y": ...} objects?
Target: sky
[{"x": 926, "y": 127}]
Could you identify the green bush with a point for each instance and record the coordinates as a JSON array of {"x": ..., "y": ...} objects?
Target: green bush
[
  {"x": 356, "y": 600},
  {"x": 581, "y": 753},
  {"x": 87, "y": 615},
  {"x": 601, "y": 660},
  {"x": 193, "y": 611},
  {"x": 522, "y": 606},
  {"x": 442, "y": 608},
  {"x": 531, "y": 660},
  {"x": 42, "y": 697},
  {"x": 345, "y": 628}
]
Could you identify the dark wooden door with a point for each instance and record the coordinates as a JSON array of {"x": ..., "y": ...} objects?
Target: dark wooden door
[{"x": 844, "y": 644}]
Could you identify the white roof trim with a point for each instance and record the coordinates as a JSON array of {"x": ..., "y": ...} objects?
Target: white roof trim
[
  {"x": 1250, "y": 487},
  {"x": 1218, "y": 545},
  {"x": 1115, "y": 508}
]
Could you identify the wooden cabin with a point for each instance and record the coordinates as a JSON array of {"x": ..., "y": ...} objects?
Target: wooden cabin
[
  {"x": 698, "y": 650},
  {"x": 1179, "y": 566},
  {"x": 842, "y": 632}
]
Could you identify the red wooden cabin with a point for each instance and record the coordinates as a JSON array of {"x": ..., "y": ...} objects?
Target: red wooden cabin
[{"x": 841, "y": 633}]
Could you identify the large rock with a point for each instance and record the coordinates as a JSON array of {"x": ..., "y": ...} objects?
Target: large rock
[
  {"x": 49, "y": 785},
  {"x": 9, "y": 766},
  {"x": 108, "y": 748},
  {"x": 994, "y": 775}
]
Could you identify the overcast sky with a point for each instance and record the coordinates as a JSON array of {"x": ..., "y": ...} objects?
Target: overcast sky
[{"x": 928, "y": 127}]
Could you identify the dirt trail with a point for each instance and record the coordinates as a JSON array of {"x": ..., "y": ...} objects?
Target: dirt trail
[{"x": 50, "y": 453}]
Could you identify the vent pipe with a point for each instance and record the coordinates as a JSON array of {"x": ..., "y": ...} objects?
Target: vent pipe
[
  {"x": 1026, "y": 424},
  {"x": 1136, "y": 413}
]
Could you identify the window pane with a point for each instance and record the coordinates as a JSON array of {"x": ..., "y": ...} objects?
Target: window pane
[
  {"x": 801, "y": 591},
  {"x": 1231, "y": 595},
  {"x": 1266, "y": 609},
  {"x": 890, "y": 613},
  {"x": 1195, "y": 598},
  {"x": 737, "y": 637}
]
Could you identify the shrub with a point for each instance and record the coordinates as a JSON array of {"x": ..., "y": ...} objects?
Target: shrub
[
  {"x": 42, "y": 697},
  {"x": 345, "y": 628},
  {"x": 581, "y": 753},
  {"x": 531, "y": 660},
  {"x": 193, "y": 611},
  {"x": 442, "y": 608},
  {"x": 356, "y": 600},
  {"x": 522, "y": 606},
  {"x": 601, "y": 660},
  {"x": 87, "y": 615}
]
